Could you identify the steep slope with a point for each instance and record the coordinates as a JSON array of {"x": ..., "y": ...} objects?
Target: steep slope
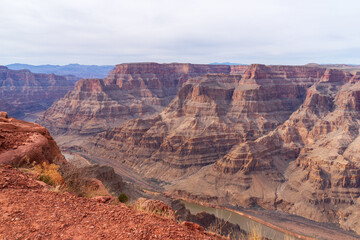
[
  {"x": 23, "y": 92},
  {"x": 28, "y": 210},
  {"x": 136, "y": 90},
  {"x": 23, "y": 143}
]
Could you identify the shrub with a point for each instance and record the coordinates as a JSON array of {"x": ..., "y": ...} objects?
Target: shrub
[
  {"x": 123, "y": 198},
  {"x": 46, "y": 179},
  {"x": 153, "y": 206},
  {"x": 49, "y": 173}
]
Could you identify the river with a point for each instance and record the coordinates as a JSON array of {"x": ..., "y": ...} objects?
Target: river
[{"x": 244, "y": 222}]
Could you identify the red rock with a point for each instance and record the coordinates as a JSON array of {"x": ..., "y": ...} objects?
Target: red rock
[
  {"x": 192, "y": 226},
  {"x": 3, "y": 115},
  {"x": 102, "y": 199},
  {"x": 37, "y": 214},
  {"x": 23, "y": 143}
]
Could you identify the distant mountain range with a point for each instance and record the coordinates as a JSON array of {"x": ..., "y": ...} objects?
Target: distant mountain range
[
  {"x": 81, "y": 71},
  {"x": 226, "y": 63}
]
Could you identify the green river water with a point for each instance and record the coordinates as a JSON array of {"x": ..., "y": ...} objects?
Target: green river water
[{"x": 244, "y": 222}]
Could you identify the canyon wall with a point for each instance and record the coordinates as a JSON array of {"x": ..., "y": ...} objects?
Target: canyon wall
[
  {"x": 23, "y": 92},
  {"x": 135, "y": 90}
]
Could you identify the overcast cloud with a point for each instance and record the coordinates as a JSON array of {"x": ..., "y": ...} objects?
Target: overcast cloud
[{"x": 197, "y": 31}]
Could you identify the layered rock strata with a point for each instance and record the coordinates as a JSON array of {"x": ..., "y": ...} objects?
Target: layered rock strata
[
  {"x": 280, "y": 137},
  {"x": 23, "y": 92},
  {"x": 135, "y": 90},
  {"x": 307, "y": 166},
  {"x": 209, "y": 116}
]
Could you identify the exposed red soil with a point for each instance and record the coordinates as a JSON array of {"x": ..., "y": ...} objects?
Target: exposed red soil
[
  {"x": 28, "y": 210},
  {"x": 23, "y": 142}
]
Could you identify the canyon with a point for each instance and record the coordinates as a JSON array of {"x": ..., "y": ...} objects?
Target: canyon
[
  {"x": 23, "y": 92},
  {"x": 280, "y": 138},
  {"x": 277, "y": 137}
]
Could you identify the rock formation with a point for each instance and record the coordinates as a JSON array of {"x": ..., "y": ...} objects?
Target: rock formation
[
  {"x": 83, "y": 180},
  {"x": 306, "y": 166},
  {"x": 23, "y": 92},
  {"x": 23, "y": 143},
  {"x": 135, "y": 90},
  {"x": 31, "y": 211},
  {"x": 280, "y": 137},
  {"x": 209, "y": 116}
]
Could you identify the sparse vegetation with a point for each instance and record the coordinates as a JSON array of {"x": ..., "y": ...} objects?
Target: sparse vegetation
[
  {"x": 255, "y": 232},
  {"x": 46, "y": 179},
  {"x": 123, "y": 198},
  {"x": 153, "y": 207},
  {"x": 48, "y": 173},
  {"x": 221, "y": 227}
]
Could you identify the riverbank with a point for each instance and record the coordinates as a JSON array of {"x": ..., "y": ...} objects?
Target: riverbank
[{"x": 293, "y": 226}]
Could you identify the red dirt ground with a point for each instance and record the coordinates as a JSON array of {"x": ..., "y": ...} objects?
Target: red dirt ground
[{"x": 28, "y": 210}]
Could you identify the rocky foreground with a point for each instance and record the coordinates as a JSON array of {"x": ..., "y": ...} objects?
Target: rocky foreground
[{"x": 29, "y": 210}]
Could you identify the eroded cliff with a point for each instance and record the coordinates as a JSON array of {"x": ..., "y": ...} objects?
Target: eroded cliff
[
  {"x": 281, "y": 137},
  {"x": 23, "y": 92},
  {"x": 135, "y": 90}
]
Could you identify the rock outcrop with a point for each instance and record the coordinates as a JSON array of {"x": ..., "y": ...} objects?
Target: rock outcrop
[
  {"x": 154, "y": 206},
  {"x": 279, "y": 137},
  {"x": 23, "y": 143},
  {"x": 30, "y": 211},
  {"x": 23, "y": 92},
  {"x": 83, "y": 181},
  {"x": 136, "y": 90}
]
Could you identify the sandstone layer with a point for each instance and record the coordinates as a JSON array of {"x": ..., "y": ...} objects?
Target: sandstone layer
[
  {"x": 280, "y": 137},
  {"x": 135, "y": 90},
  {"x": 23, "y": 92},
  {"x": 23, "y": 143}
]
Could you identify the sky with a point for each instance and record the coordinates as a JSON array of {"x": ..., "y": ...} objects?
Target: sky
[{"x": 196, "y": 31}]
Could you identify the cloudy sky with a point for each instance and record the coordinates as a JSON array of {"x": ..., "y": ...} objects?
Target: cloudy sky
[{"x": 197, "y": 31}]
